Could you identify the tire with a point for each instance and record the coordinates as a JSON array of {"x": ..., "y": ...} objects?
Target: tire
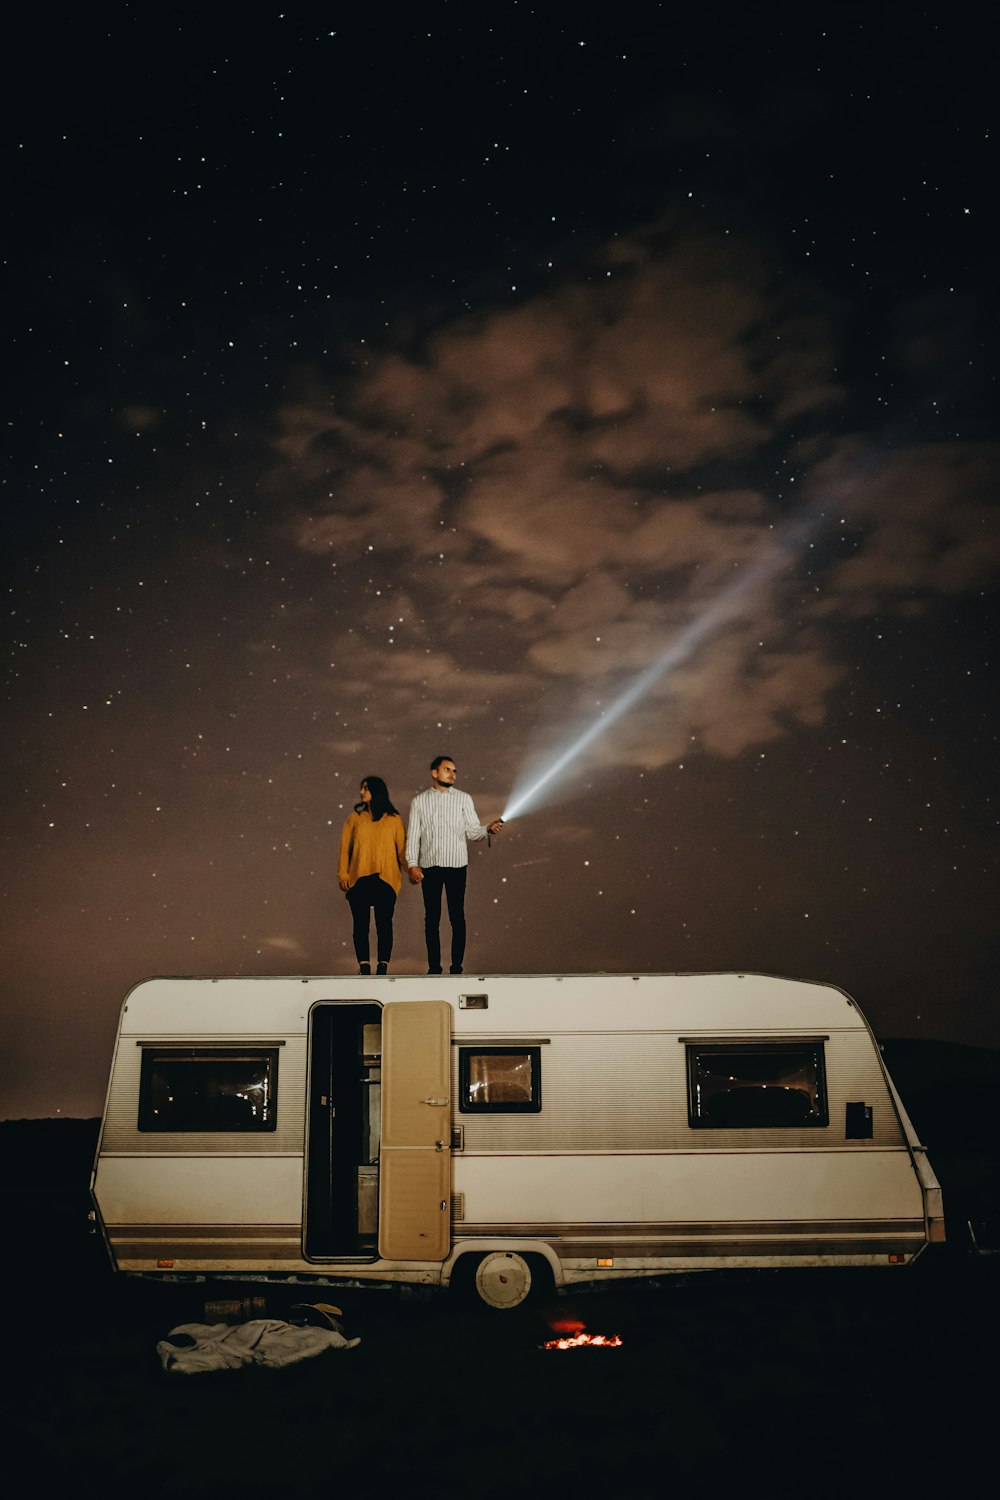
[{"x": 504, "y": 1280}]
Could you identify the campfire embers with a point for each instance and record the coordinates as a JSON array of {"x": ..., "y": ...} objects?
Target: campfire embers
[
  {"x": 585, "y": 1341},
  {"x": 574, "y": 1336}
]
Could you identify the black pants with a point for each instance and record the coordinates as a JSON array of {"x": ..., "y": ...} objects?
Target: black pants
[
  {"x": 437, "y": 879},
  {"x": 371, "y": 892}
]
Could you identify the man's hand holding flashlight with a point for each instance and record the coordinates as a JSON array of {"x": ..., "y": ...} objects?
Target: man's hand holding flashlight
[{"x": 495, "y": 826}]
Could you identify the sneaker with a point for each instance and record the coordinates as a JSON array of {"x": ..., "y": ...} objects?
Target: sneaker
[
  {"x": 364, "y": 968},
  {"x": 381, "y": 968},
  {"x": 456, "y": 969},
  {"x": 433, "y": 971}
]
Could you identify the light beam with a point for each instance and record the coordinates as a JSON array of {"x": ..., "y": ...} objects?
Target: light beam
[{"x": 523, "y": 797}]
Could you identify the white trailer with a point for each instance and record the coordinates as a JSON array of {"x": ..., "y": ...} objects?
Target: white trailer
[{"x": 522, "y": 1130}]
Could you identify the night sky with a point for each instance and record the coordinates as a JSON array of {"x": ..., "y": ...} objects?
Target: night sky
[{"x": 411, "y": 384}]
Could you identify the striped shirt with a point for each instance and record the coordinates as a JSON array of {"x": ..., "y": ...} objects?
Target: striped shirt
[{"x": 440, "y": 824}]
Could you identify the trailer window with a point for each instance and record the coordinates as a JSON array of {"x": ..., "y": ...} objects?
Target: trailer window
[
  {"x": 208, "y": 1088},
  {"x": 756, "y": 1085},
  {"x": 499, "y": 1080}
]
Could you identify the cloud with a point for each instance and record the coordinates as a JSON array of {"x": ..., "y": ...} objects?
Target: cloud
[
  {"x": 434, "y": 682},
  {"x": 526, "y": 510},
  {"x": 344, "y": 747},
  {"x": 139, "y": 418},
  {"x": 282, "y": 945},
  {"x": 926, "y": 517}
]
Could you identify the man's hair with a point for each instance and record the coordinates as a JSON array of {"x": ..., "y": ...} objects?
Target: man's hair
[{"x": 438, "y": 759}]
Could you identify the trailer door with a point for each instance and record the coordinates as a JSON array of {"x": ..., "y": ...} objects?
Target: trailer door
[{"x": 415, "y": 1158}]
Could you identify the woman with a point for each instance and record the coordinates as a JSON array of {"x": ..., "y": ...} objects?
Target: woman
[{"x": 371, "y": 857}]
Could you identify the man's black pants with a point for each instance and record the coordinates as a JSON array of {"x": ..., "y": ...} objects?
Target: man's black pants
[{"x": 437, "y": 879}]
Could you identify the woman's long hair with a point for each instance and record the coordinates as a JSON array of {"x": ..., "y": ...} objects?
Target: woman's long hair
[{"x": 380, "y": 803}]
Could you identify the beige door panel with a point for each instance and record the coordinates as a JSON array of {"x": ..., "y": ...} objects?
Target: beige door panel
[{"x": 415, "y": 1159}]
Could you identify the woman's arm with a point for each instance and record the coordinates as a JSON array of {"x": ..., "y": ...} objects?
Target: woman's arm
[{"x": 343, "y": 863}]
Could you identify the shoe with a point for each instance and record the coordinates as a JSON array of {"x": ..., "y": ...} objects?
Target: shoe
[
  {"x": 381, "y": 968},
  {"x": 456, "y": 969},
  {"x": 433, "y": 971},
  {"x": 364, "y": 968},
  {"x": 316, "y": 1315}
]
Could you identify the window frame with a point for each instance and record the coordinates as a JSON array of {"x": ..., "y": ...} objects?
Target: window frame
[
  {"x": 530, "y": 1107},
  {"x": 154, "y": 1052},
  {"x": 768, "y": 1045}
]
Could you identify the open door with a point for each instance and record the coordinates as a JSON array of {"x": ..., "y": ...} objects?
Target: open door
[
  {"x": 343, "y": 1132},
  {"x": 415, "y": 1159}
]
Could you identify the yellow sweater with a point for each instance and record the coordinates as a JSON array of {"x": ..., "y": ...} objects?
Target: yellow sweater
[{"x": 368, "y": 848}]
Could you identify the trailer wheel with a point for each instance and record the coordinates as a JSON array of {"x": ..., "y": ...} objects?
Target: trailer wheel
[{"x": 504, "y": 1280}]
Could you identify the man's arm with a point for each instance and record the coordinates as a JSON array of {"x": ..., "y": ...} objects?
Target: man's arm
[
  {"x": 474, "y": 830},
  {"x": 413, "y": 833}
]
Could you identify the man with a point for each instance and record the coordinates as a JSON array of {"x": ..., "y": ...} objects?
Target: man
[{"x": 443, "y": 822}]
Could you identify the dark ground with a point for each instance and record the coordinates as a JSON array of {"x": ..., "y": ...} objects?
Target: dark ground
[{"x": 777, "y": 1383}]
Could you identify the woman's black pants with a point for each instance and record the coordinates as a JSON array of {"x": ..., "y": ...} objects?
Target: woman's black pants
[{"x": 371, "y": 893}]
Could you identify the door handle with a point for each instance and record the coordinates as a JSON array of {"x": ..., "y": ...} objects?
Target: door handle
[{"x": 435, "y": 1101}]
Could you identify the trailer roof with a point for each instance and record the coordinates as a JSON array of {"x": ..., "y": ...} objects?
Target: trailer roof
[{"x": 700, "y": 1003}]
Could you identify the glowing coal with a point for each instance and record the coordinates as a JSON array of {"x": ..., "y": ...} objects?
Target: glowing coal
[{"x": 585, "y": 1341}]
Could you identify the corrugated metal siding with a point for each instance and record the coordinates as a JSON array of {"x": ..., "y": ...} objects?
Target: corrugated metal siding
[
  {"x": 608, "y": 1092},
  {"x": 598, "y": 1092},
  {"x": 121, "y": 1132},
  {"x": 212, "y": 1189},
  {"x": 692, "y": 1188},
  {"x": 853, "y": 1074}
]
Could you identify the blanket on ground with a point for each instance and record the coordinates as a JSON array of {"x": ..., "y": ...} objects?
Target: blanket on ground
[{"x": 192, "y": 1348}]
